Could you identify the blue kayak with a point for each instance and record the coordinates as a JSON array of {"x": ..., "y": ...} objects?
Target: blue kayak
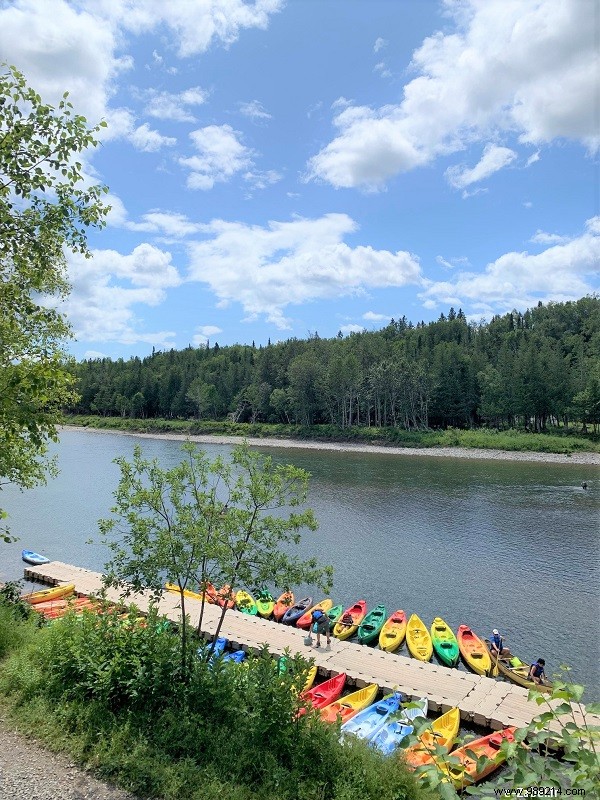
[
  {"x": 219, "y": 648},
  {"x": 33, "y": 558},
  {"x": 293, "y": 614},
  {"x": 398, "y": 726},
  {"x": 370, "y": 721},
  {"x": 237, "y": 657}
]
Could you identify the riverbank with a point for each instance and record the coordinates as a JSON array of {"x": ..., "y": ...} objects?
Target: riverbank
[{"x": 584, "y": 458}]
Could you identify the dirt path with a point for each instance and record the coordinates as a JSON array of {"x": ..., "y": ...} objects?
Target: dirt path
[{"x": 29, "y": 772}]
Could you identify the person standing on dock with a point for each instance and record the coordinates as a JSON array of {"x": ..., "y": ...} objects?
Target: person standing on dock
[{"x": 320, "y": 625}]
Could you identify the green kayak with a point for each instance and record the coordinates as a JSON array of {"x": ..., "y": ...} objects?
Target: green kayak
[
  {"x": 369, "y": 628},
  {"x": 265, "y": 603},
  {"x": 334, "y": 614},
  {"x": 444, "y": 643}
]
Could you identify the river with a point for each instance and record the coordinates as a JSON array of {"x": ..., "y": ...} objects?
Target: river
[{"x": 506, "y": 544}]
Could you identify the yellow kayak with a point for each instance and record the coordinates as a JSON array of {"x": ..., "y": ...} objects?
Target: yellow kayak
[
  {"x": 311, "y": 674},
  {"x": 347, "y": 707},
  {"x": 418, "y": 639},
  {"x": 245, "y": 603},
  {"x": 172, "y": 587},
  {"x": 393, "y": 632},
  {"x": 357, "y": 612},
  {"x": 443, "y": 733},
  {"x": 49, "y": 594}
]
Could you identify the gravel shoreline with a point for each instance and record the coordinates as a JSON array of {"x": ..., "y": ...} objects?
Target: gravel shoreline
[
  {"x": 592, "y": 459},
  {"x": 30, "y": 772}
]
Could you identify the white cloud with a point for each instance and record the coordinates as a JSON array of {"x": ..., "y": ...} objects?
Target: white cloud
[
  {"x": 382, "y": 70},
  {"x": 148, "y": 140},
  {"x": 203, "y": 334},
  {"x": 529, "y": 67},
  {"x": 260, "y": 180},
  {"x": 352, "y": 328},
  {"x": 379, "y": 44},
  {"x": 174, "y": 105},
  {"x": 254, "y": 110},
  {"x": 494, "y": 158},
  {"x": 289, "y": 263},
  {"x": 540, "y": 237},
  {"x": 221, "y": 155},
  {"x": 518, "y": 280},
  {"x": 92, "y": 355},
  {"x": 533, "y": 158},
  {"x": 108, "y": 286},
  {"x": 373, "y": 317}
]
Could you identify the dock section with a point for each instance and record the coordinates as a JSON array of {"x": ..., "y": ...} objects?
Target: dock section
[{"x": 482, "y": 701}]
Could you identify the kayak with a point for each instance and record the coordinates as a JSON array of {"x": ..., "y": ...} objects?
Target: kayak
[
  {"x": 305, "y": 619},
  {"x": 358, "y": 612},
  {"x": 49, "y": 594},
  {"x": 399, "y": 725},
  {"x": 474, "y": 651},
  {"x": 334, "y": 615},
  {"x": 323, "y": 694},
  {"x": 370, "y": 627},
  {"x": 208, "y": 590},
  {"x": 293, "y": 614},
  {"x": 444, "y": 643},
  {"x": 33, "y": 558},
  {"x": 477, "y": 759},
  {"x": 442, "y": 734},
  {"x": 237, "y": 657},
  {"x": 76, "y": 608},
  {"x": 265, "y": 603},
  {"x": 369, "y": 722},
  {"x": 418, "y": 639},
  {"x": 311, "y": 674},
  {"x": 517, "y": 671},
  {"x": 285, "y": 601},
  {"x": 393, "y": 632},
  {"x": 347, "y": 707},
  {"x": 245, "y": 603},
  {"x": 218, "y": 650},
  {"x": 172, "y": 587},
  {"x": 225, "y": 596}
]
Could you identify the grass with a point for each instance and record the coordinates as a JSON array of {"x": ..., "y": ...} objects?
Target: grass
[{"x": 558, "y": 441}]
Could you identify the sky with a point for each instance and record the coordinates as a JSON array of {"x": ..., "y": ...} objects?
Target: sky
[{"x": 283, "y": 169}]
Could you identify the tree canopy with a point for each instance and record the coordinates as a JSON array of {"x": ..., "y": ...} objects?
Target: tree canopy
[{"x": 46, "y": 206}]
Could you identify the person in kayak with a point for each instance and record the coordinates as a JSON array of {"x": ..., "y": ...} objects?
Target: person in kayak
[
  {"x": 320, "y": 625},
  {"x": 497, "y": 648},
  {"x": 347, "y": 620},
  {"x": 537, "y": 673}
]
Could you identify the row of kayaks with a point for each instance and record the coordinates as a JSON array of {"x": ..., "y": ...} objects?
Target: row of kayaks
[
  {"x": 386, "y": 724},
  {"x": 389, "y": 631}
]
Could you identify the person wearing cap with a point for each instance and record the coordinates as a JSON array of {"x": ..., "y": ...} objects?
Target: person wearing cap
[
  {"x": 497, "y": 648},
  {"x": 537, "y": 672},
  {"x": 320, "y": 625}
]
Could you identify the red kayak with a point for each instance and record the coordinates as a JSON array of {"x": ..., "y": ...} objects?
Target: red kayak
[{"x": 323, "y": 694}]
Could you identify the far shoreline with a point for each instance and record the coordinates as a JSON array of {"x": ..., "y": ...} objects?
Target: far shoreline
[{"x": 580, "y": 459}]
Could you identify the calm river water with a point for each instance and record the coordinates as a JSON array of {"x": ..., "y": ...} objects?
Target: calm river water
[{"x": 506, "y": 544}]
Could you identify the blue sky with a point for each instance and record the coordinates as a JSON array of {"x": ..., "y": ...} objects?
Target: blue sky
[{"x": 283, "y": 168}]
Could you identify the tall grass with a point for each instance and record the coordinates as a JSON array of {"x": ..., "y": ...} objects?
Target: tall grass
[{"x": 112, "y": 697}]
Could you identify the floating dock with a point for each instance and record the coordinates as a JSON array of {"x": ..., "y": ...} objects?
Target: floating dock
[{"x": 482, "y": 701}]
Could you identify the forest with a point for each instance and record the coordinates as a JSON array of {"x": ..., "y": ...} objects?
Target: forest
[{"x": 534, "y": 370}]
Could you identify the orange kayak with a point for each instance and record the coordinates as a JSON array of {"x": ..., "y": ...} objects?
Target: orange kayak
[
  {"x": 358, "y": 612},
  {"x": 285, "y": 601},
  {"x": 393, "y": 632},
  {"x": 306, "y": 618},
  {"x": 209, "y": 592},
  {"x": 477, "y": 759},
  {"x": 76, "y": 607},
  {"x": 226, "y": 596},
  {"x": 347, "y": 707},
  {"x": 474, "y": 651}
]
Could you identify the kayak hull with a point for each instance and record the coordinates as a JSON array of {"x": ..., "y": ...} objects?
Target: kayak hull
[
  {"x": 293, "y": 614},
  {"x": 478, "y": 759},
  {"x": 325, "y": 693},
  {"x": 393, "y": 632},
  {"x": 283, "y": 604},
  {"x": 445, "y": 643},
  {"x": 358, "y": 612},
  {"x": 516, "y": 671},
  {"x": 29, "y": 557},
  {"x": 370, "y": 628},
  {"x": 418, "y": 639},
  {"x": 305, "y": 620},
  {"x": 368, "y": 723},
  {"x": 347, "y": 707},
  {"x": 245, "y": 603},
  {"x": 50, "y": 594},
  {"x": 473, "y": 651}
]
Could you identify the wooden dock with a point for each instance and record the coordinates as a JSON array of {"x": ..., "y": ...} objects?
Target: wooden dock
[{"x": 484, "y": 702}]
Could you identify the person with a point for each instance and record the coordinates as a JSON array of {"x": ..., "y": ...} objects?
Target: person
[
  {"x": 537, "y": 673},
  {"x": 347, "y": 620},
  {"x": 497, "y": 648},
  {"x": 320, "y": 625}
]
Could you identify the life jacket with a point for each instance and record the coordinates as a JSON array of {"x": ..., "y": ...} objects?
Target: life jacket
[
  {"x": 497, "y": 641},
  {"x": 536, "y": 670}
]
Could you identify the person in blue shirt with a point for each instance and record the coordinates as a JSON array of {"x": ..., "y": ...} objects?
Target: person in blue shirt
[
  {"x": 537, "y": 673},
  {"x": 320, "y": 625},
  {"x": 497, "y": 648}
]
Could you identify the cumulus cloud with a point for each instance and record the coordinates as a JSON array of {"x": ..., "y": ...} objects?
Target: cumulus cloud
[
  {"x": 266, "y": 269},
  {"x": 371, "y": 316},
  {"x": 494, "y": 158},
  {"x": 352, "y": 328},
  {"x": 541, "y": 237},
  {"x": 562, "y": 272},
  {"x": 220, "y": 156},
  {"x": 203, "y": 334},
  {"x": 379, "y": 44},
  {"x": 107, "y": 287},
  {"x": 148, "y": 140},
  {"x": 529, "y": 68},
  {"x": 174, "y": 105}
]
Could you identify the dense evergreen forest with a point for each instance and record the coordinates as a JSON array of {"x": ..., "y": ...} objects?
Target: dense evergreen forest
[{"x": 531, "y": 370}]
